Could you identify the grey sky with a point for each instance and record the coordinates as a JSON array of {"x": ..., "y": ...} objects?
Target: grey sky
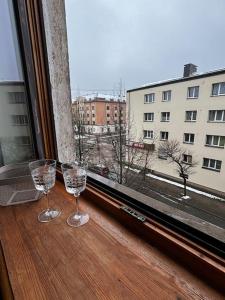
[
  {"x": 142, "y": 41},
  {"x": 10, "y": 64}
]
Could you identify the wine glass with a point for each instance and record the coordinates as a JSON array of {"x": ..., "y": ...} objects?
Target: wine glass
[
  {"x": 75, "y": 177},
  {"x": 43, "y": 174}
]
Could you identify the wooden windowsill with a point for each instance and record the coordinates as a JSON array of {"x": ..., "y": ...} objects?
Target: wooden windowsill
[{"x": 100, "y": 260}]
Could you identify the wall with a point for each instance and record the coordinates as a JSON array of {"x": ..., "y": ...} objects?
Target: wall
[
  {"x": 57, "y": 51},
  {"x": 177, "y": 125}
]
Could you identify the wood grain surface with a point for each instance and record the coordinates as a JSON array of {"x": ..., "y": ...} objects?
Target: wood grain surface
[{"x": 55, "y": 261}]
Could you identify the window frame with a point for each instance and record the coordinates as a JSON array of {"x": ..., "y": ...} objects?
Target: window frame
[
  {"x": 208, "y": 167},
  {"x": 146, "y": 96},
  {"x": 166, "y": 93},
  {"x": 149, "y": 114},
  {"x": 164, "y": 132},
  {"x": 191, "y": 111},
  {"x": 215, "y": 118},
  {"x": 219, "y": 94},
  {"x": 190, "y": 241},
  {"x": 166, "y": 119},
  {"x": 151, "y": 137},
  {"x": 194, "y": 89},
  {"x": 212, "y": 139},
  {"x": 189, "y": 139}
]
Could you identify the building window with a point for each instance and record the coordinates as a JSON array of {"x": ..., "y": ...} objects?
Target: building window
[
  {"x": 187, "y": 159},
  {"x": 165, "y": 116},
  {"x": 148, "y": 134},
  {"x": 16, "y": 97},
  {"x": 115, "y": 107},
  {"x": 115, "y": 115},
  {"x": 212, "y": 164},
  {"x": 191, "y": 115},
  {"x": 149, "y": 98},
  {"x": 216, "y": 116},
  {"x": 193, "y": 92},
  {"x": 166, "y": 95},
  {"x": 189, "y": 138},
  {"x": 107, "y": 107},
  {"x": 108, "y": 115},
  {"x": 19, "y": 119},
  {"x": 107, "y": 122},
  {"x": 218, "y": 89},
  {"x": 93, "y": 124},
  {"x": 215, "y": 141},
  {"x": 88, "y": 115},
  {"x": 148, "y": 117},
  {"x": 22, "y": 140},
  {"x": 93, "y": 115},
  {"x": 164, "y": 135},
  {"x": 93, "y": 108}
]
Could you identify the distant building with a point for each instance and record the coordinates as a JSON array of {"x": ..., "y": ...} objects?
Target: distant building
[
  {"x": 190, "y": 109},
  {"x": 99, "y": 114},
  {"x": 15, "y": 134}
]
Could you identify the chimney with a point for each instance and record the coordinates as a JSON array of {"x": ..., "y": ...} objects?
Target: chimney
[{"x": 189, "y": 70}]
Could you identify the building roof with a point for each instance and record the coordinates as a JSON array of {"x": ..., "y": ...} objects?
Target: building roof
[
  {"x": 180, "y": 79},
  {"x": 15, "y": 82},
  {"x": 97, "y": 97}
]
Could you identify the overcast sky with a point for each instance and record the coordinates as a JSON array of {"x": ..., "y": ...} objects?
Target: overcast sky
[
  {"x": 142, "y": 41},
  {"x": 10, "y": 64}
]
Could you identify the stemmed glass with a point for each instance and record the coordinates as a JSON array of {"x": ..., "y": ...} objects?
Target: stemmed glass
[
  {"x": 43, "y": 173},
  {"x": 75, "y": 177}
]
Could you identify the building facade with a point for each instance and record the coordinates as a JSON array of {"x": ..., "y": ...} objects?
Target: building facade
[
  {"x": 190, "y": 110},
  {"x": 98, "y": 115},
  {"x": 15, "y": 132}
]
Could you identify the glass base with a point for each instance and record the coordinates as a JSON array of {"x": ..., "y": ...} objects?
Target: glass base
[
  {"x": 48, "y": 215},
  {"x": 78, "y": 219}
]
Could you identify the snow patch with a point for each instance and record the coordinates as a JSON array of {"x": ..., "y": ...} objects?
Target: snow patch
[{"x": 188, "y": 188}]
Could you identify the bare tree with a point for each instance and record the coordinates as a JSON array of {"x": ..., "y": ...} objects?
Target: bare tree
[
  {"x": 83, "y": 148},
  {"x": 176, "y": 154}
]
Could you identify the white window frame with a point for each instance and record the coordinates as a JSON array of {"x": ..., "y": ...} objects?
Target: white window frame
[
  {"x": 189, "y": 138},
  {"x": 146, "y": 117},
  {"x": 149, "y": 98},
  {"x": 215, "y": 118},
  {"x": 212, "y": 141},
  {"x": 188, "y": 160},
  {"x": 162, "y": 133},
  {"x": 194, "y": 88},
  {"x": 166, "y": 96},
  {"x": 208, "y": 166},
  {"x": 192, "y": 114},
  {"x": 219, "y": 89},
  {"x": 149, "y": 134},
  {"x": 167, "y": 116}
]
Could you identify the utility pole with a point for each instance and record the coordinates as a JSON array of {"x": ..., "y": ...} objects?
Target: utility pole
[{"x": 120, "y": 135}]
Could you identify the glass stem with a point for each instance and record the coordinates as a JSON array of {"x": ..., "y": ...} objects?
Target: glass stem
[
  {"x": 47, "y": 199},
  {"x": 77, "y": 203}
]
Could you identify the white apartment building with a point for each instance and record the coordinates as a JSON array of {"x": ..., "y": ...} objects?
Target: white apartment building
[
  {"x": 190, "y": 109},
  {"x": 15, "y": 133}
]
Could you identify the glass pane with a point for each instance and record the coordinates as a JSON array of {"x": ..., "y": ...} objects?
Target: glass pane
[
  {"x": 222, "y": 88},
  {"x": 15, "y": 129},
  {"x": 99, "y": 58},
  {"x": 219, "y": 115},
  {"x": 208, "y": 140},
  {"x": 215, "y": 140},
  {"x": 196, "y": 91},
  {"x": 218, "y": 164},
  {"x": 215, "y": 89},
  {"x": 212, "y": 115}
]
